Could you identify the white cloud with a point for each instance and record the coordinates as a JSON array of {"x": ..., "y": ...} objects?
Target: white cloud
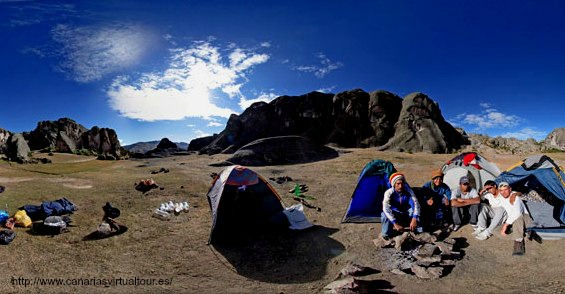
[
  {"x": 326, "y": 90},
  {"x": 266, "y": 44},
  {"x": 326, "y": 66},
  {"x": 185, "y": 88},
  {"x": 526, "y": 133},
  {"x": 214, "y": 124},
  {"x": 200, "y": 134},
  {"x": 265, "y": 97},
  {"x": 489, "y": 118},
  {"x": 89, "y": 53}
]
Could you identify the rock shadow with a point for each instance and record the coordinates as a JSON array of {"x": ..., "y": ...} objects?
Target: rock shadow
[{"x": 286, "y": 257}]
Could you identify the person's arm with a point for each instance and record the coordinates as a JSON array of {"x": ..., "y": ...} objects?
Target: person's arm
[
  {"x": 387, "y": 210},
  {"x": 416, "y": 210}
]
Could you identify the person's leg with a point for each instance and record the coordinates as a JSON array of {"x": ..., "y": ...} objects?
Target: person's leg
[
  {"x": 386, "y": 226},
  {"x": 484, "y": 216},
  {"x": 474, "y": 213},
  {"x": 497, "y": 218},
  {"x": 457, "y": 213}
]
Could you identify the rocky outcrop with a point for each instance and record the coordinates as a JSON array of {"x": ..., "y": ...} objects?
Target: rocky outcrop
[
  {"x": 165, "y": 148},
  {"x": 348, "y": 119},
  {"x": 61, "y": 135},
  {"x": 280, "y": 150},
  {"x": 384, "y": 110},
  {"x": 103, "y": 141},
  {"x": 67, "y": 136},
  {"x": 4, "y": 136},
  {"x": 422, "y": 128},
  {"x": 307, "y": 115},
  {"x": 18, "y": 149},
  {"x": 199, "y": 143},
  {"x": 555, "y": 140},
  {"x": 502, "y": 145}
]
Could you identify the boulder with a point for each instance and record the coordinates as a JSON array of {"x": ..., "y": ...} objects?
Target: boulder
[
  {"x": 555, "y": 139},
  {"x": 422, "y": 128},
  {"x": 350, "y": 116},
  {"x": 18, "y": 150},
  {"x": 199, "y": 143},
  {"x": 4, "y": 136},
  {"x": 165, "y": 148},
  {"x": 47, "y": 134},
  {"x": 103, "y": 141},
  {"x": 165, "y": 143},
  {"x": 384, "y": 110},
  {"x": 281, "y": 150}
]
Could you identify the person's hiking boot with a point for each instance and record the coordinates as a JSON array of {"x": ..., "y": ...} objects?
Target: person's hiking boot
[
  {"x": 519, "y": 248},
  {"x": 478, "y": 230},
  {"x": 483, "y": 235},
  {"x": 532, "y": 235}
]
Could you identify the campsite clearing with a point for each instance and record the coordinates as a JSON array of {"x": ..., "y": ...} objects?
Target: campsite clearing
[{"x": 176, "y": 252}]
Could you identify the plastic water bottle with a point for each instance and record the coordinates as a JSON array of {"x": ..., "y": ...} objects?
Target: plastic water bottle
[{"x": 162, "y": 215}]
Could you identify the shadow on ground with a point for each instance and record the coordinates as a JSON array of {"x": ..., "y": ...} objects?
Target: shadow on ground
[{"x": 286, "y": 258}]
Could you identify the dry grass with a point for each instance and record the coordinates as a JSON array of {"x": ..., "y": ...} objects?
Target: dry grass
[{"x": 177, "y": 249}]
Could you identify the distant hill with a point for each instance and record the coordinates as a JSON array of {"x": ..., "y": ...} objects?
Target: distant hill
[{"x": 143, "y": 147}]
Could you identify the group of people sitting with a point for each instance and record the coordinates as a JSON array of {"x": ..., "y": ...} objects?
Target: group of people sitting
[{"x": 437, "y": 206}]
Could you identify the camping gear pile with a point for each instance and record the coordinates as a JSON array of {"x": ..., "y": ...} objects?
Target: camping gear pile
[
  {"x": 109, "y": 225},
  {"x": 146, "y": 185},
  {"x": 47, "y": 218},
  {"x": 167, "y": 209}
]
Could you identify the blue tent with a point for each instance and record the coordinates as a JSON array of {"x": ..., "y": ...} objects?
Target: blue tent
[
  {"x": 366, "y": 202},
  {"x": 540, "y": 173}
]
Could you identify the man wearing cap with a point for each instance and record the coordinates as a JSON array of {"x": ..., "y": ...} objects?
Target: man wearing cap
[
  {"x": 400, "y": 208},
  {"x": 464, "y": 200},
  {"x": 518, "y": 218},
  {"x": 493, "y": 211},
  {"x": 435, "y": 205}
]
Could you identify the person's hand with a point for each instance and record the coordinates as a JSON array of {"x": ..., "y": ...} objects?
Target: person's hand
[
  {"x": 503, "y": 231},
  {"x": 398, "y": 227},
  {"x": 430, "y": 201},
  {"x": 445, "y": 201},
  {"x": 413, "y": 224}
]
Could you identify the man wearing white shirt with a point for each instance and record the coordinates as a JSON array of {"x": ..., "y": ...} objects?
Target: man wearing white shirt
[
  {"x": 518, "y": 218},
  {"x": 492, "y": 211}
]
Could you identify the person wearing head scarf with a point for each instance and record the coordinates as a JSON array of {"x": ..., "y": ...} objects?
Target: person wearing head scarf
[
  {"x": 400, "y": 208},
  {"x": 435, "y": 202}
]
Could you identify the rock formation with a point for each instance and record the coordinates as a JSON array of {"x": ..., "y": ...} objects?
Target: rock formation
[
  {"x": 4, "y": 136},
  {"x": 555, "y": 140},
  {"x": 67, "y": 136},
  {"x": 18, "y": 149},
  {"x": 165, "y": 148},
  {"x": 348, "y": 119},
  {"x": 422, "y": 128}
]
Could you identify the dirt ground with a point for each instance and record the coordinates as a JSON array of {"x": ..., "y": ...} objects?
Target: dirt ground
[{"x": 175, "y": 253}]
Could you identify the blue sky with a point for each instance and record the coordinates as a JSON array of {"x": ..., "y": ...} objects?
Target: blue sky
[{"x": 178, "y": 69}]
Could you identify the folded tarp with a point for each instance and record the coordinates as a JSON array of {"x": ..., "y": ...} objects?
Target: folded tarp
[{"x": 49, "y": 208}]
